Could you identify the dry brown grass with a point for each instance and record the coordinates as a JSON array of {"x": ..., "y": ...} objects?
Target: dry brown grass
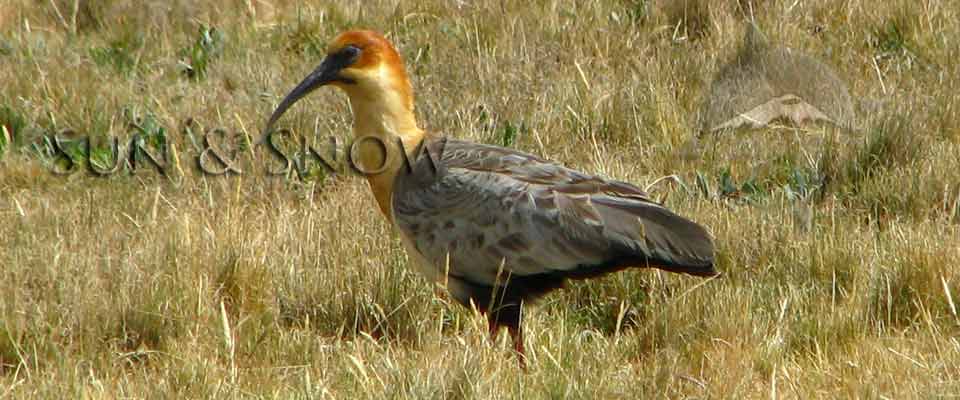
[{"x": 839, "y": 250}]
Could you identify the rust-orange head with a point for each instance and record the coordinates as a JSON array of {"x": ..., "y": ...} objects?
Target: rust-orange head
[{"x": 367, "y": 67}]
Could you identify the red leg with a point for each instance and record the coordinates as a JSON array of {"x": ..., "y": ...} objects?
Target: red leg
[
  {"x": 517, "y": 335},
  {"x": 494, "y": 328},
  {"x": 507, "y": 313}
]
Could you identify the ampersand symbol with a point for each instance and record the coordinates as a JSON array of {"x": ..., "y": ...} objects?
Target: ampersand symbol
[{"x": 226, "y": 164}]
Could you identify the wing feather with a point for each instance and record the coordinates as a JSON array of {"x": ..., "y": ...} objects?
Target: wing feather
[{"x": 486, "y": 206}]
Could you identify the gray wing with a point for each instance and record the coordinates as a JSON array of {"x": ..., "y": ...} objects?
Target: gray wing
[{"x": 481, "y": 207}]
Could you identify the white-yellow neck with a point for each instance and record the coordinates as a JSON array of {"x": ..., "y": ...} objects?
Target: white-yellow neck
[{"x": 386, "y": 115}]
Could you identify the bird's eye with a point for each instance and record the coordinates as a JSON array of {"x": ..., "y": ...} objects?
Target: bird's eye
[{"x": 351, "y": 53}]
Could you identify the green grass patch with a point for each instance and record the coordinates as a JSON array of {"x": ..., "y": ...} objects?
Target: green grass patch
[{"x": 199, "y": 56}]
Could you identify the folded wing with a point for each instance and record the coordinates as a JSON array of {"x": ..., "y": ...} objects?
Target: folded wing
[{"x": 476, "y": 209}]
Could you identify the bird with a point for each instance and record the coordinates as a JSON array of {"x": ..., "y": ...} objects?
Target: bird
[{"x": 498, "y": 228}]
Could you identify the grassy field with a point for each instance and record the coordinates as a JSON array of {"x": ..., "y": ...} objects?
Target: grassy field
[{"x": 839, "y": 248}]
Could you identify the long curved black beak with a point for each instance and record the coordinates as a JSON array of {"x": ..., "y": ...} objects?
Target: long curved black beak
[{"x": 328, "y": 71}]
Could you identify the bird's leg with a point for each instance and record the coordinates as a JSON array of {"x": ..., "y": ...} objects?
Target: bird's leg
[
  {"x": 494, "y": 327},
  {"x": 516, "y": 333},
  {"x": 509, "y": 315}
]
